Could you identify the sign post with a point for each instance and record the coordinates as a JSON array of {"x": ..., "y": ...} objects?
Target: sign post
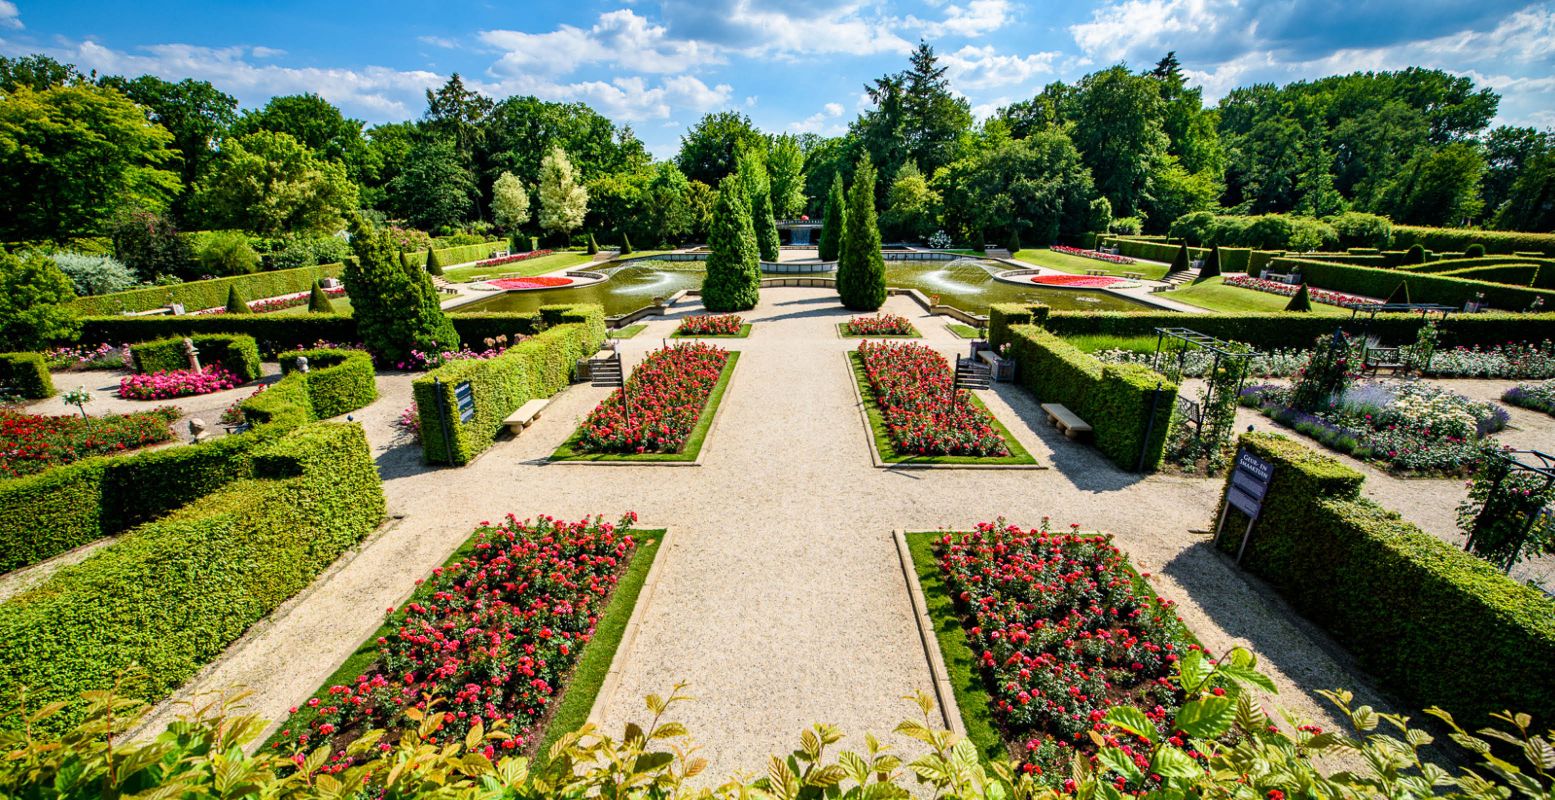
[{"x": 1249, "y": 483}]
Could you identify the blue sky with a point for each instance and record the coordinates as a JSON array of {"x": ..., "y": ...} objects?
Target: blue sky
[{"x": 798, "y": 65}]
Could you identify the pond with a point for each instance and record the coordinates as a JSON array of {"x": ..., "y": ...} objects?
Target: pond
[{"x": 966, "y": 283}]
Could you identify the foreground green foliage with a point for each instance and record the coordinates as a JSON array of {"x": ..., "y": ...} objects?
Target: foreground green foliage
[
  {"x": 34, "y": 297},
  {"x": 397, "y": 309}
]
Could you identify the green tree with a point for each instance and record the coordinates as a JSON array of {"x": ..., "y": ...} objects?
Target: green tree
[
  {"x": 319, "y": 302},
  {"x": 860, "y": 267},
  {"x": 150, "y": 244},
  {"x": 71, "y": 156},
  {"x": 270, "y": 183},
  {"x": 752, "y": 170},
  {"x": 228, "y": 253},
  {"x": 1509, "y": 153},
  {"x": 36, "y": 72},
  {"x": 236, "y": 303},
  {"x": 1037, "y": 186},
  {"x": 621, "y": 202},
  {"x": 519, "y": 132},
  {"x": 1300, "y": 301},
  {"x": 670, "y": 204},
  {"x": 434, "y": 188},
  {"x": 911, "y": 207},
  {"x": 563, "y": 201},
  {"x": 509, "y": 202},
  {"x": 916, "y": 117},
  {"x": 733, "y": 278},
  {"x": 786, "y": 165},
  {"x": 701, "y": 201},
  {"x": 1530, "y": 203},
  {"x": 456, "y": 114},
  {"x": 312, "y": 121},
  {"x": 712, "y": 148},
  {"x": 396, "y": 310},
  {"x": 1117, "y": 128},
  {"x": 833, "y": 223},
  {"x": 195, "y": 112},
  {"x": 34, "y": 303},
  {"x": 1438, "y": 187}
]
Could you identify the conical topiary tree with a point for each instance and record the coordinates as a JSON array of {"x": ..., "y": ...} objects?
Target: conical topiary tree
[
  {"x": 860, "y": 268},
  {"x": 235, "y": 302},
  {"x": 758, "y": 191},
  {"x": 626, "y": 244},
  {"x": 593, "y": 246},
  {"x": 1400, "y": 294},
  {"x": 318, "y": 301},
  {"x": 733, "y": 278},
  {"x": 1300, "y": 301},
  {"x": 1013, "y": 245},
  {"x": 396, "y": 310},
  {"x": 833, "y": 220},
  {"x": 1181, "y": 262},
  {"x": 434, "y": 264},
  {"x": 1211, "y": 266}
]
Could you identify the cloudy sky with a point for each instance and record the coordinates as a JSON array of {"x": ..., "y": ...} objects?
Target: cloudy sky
[{"x": 797, "y": 65}]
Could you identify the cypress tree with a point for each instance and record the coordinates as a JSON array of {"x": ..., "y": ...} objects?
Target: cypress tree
[
  {"x": 434, "y": 264},
  {"x": 1300, "y": 301},
  {"x": 758, "y": 191},
  {"x": 733, "y": 278},
  {"x": 235, "y": 302},
  {"x": 860, "y": 267},
  {"x": 593, "y": 246},
  {"x": 319, "y": 302},
  {"x": 833, "y": 221},
  {"x": 1013, "y": 245},
  {"x": 396, "y": 310},
  {"x": 626, "y": 244},
  {"x": 1211, "y": 266},
  {"x": 1181, "y": 262}
]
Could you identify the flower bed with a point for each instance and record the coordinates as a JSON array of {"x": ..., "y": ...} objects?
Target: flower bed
[
  {"x": 911, "y": 386},
  {"x": 511, "y": 259},
  {"x": 494, "y": 347},
  {"x": 494, "y": 635},
  {"x": 660, "y": 405},
  {"x": 177, "y": 383},
  {"x": 1537, "y": 396},
  {"x": 1092, "y": 254},
  {"x": 879, "y": 325},
  {"x": 1289, "y": 290},
  {"x": 1076, "y": 281},
  {"x": 1060, "y": 629},
  {"x": 1196, "y": 363},
  {"x": 272, "y": 304},
  {"x": 1409, "y": 427},
  {"x": 520, "y": 284},
  {"x": 31, "y": 444},
  {"x": 1516, "y": 360},
  {"x": 712, "y": 325},
  {"x": 82, "y": 356}
]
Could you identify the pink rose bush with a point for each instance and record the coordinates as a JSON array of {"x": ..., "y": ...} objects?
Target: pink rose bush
[
  {"x": 177, "y": 383},
  {"x": 500, "y": 260},
  {"x": 1092, "y": 254},
  {"x": 1062, "y": 630},
  {"x": 912, "y": 386},
  {"x": 711, "y": 325},
  {"x": 273, "y": 304},
  {"x": 492, "y": 636},
  {"x": 1289, "y": 289},
  {"x": 31, "y": 443},
  {"x": 660, "y": 404},
  {"x": 881, "y": 325}
]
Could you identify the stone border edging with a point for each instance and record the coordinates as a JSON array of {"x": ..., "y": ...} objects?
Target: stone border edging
[
  {"x": 944, "y": 690},
  {"x": 874, "y": 452},
  {"x": 612, "y": 681}
]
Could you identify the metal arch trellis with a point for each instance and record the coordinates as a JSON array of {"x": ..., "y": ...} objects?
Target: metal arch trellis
[
  {"x": 1179, "y": 342},
  {"x": 1498, "y": 507}
]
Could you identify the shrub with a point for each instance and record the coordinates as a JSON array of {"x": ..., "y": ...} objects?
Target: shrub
[
  {"x": 34, "y": 303},
  {"x": 172, "y": 594},
  {"x": 626, "y": 244},
  {"x": 318, "y": 301},
  {"x": 397, "y": 310},
  {"x": 94, "y": 274},
  {"x": 26, "y": 375},
  {"x": 338, "y": 381},
  {"x": 271, "y": 331},
  {"x": 1509, "y": 274},
  {"x": 452, "y": 256},
  {"x": 236, "y": 354},
  {"x": 733, "y": 277},
  {"x": 1475, "y": 250},
  {"x": 1126, "y": 226},
  {"x": 1280, "y": 330},
  {"x": 1421, "y": 287},
  {"x": 228, "y": 253},
  {"x": 1427, "y": 618},
  {"x": 236, "y": 304},
  {"x": 1414, "y": 255},
  {"x": 1356, "y": 229},
  {"x": 199, "y": 295},
  {"x": 593, "y": 246},
  {"x": 1459, "y": 239},
  {"x": 833, "y": 221},
  {"x": 1211, "y": 268},
  {"x": 860, "y": 268},
  {"x": 1180, "y": 261}
]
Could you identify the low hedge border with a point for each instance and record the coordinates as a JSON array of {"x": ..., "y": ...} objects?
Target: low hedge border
[
  {"x": 745, "y": 332},
  {"x": 1276, "y": 329},
  {"x": 338, "y": 381},
  {"x": 690, "y": 453},
  {"x": 1431, "y": 621},
  {"x": 538, "y": 367},
  {"x": 276, "y": 333},
  {"x": 1001, "y": 316},
  {"x": 199, "y": 295},
  {"x": 1118, "y": 400},
  {"x": 68, "y": 506},
  {"x": 169, "y": 596},
  {"x": 236, "y": 353},
  {"x": 1459, "y": 239},
  {"x": 1508, "y": 274},
  {"x": 26, "y": 374},
  {"x": 454, "y": 256},
  {"x": 1423, "y": 288}
]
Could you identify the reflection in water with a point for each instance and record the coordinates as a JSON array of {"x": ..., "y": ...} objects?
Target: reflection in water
[{"x": 965, "y": 283}]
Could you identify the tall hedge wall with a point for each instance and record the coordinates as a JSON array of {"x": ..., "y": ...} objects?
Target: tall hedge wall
[
  {"x": 63, "y": 508},
  {"x": 197, "y": 295},
  {"x": 237, "y": 353},
  {"x": 1278, "y": 329},
  {"x": 1149, "y": 250},
  {"x": 454, "y": 256},
  {"x": 171, "y": 595},
  {"x": 1459, "y": 239},
  {"x": 539, "y": 367},
  {"x": 1507, "y": 274},
  {"x": 1118, "y": 400},
  {"x": 338, "y": 381},
  {"x": 1380, "y": 283},
  {"x": 1434, "y": 623},
  {"x": 275, "y": 333},
  {"x": 26, "y": 374},
  {"x": 1003, "y": 315}
]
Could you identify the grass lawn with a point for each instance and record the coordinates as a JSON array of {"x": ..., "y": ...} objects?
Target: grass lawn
[
  {"x": 589, "y": 672},
  {"x": 1062, "y": 261},
  {"x": 342, "y": 306},
  {"x": 689, "y": 452},
  {"x": 518, "y": 269},
  {"x": 842, "y": 328},
  {"x": 1092, "y": 342},
  {"x": 627, "y": 332},
  {"x": 888, "y": 454},
  {"x": 1214, "y": 295},
  {"x": 964, "y": 331},
  {"x": 745, "y": 332}
]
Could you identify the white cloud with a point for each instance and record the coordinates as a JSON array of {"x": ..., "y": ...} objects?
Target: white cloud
[
  {"x": 982, "y": 67},
  {"x": 975, "y": 18},
  {"x": 628, "y": 98},
  {"x": 1117, "y": 30},
  {"x": 619, "y": 38},
  {"x": 266, "y": 52},
  {"x": 9, "y": 16},
  {"x": 785, "y": 29},
  {"x": 833, "y": 109},
  {"x": 827, "y": 122},
  {"x": 439, "y": 41}
]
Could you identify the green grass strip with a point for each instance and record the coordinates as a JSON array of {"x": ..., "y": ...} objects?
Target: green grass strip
[
  {"x": 964, "y": 331},
  {"x": 569, "y": 450},
  {"x": 847, "y": 333},
  {"x": 629, "y": 331},
  {"x": 745, "y": 332},
  {"x": 888, "y": 454}
]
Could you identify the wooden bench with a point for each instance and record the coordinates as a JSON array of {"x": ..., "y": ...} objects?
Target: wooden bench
[
  {"x": 525, "y": 415},
  {"x": 1065, "y": 420}
]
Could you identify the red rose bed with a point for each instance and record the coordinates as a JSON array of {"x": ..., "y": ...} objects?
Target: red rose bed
[
  {"x": 514, "y": 284},
  {"x": 1077, "y": 281}
]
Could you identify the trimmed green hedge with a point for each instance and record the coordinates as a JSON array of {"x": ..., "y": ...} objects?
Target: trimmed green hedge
[
  {"x": 1278, "y": 329},
  {"x": 338, "y": 381},
  {"x": 474, "y": 329},
  {"x": 1116, "y": 399},
  {"x": 1507, "y": 274},
  {"x": 538, "y": 367},
  {"x": 1002, "y": 315},
  {"x": 1459, "y": 239},
  {"x": 1425, "y": 288},
  {"x": 273, "y": 332},
  {"x": 199, "y": 295},
  {"x": 1434, "y": 623},
  {"x": 454, "y": 256},
  {"x": 237, "y": 353},
  {"x": 1134, "y": 247},
  {"x": 1544, "y": 280},
  {"x": 26, "y": 374},
  {"x": 1259, "y": 260},
  {"x": 171, "y": 595}
]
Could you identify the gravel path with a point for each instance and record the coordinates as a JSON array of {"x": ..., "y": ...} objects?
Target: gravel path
[{"x": 781, "y": 600}]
